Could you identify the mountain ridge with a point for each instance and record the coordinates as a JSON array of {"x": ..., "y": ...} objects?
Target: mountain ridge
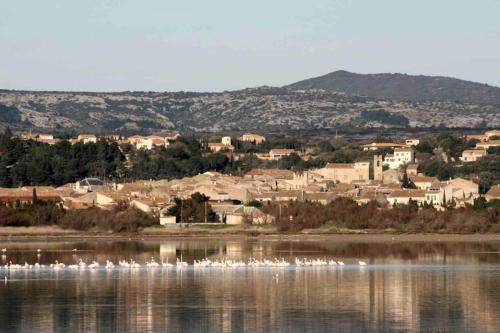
[
  {"x": 403, "y": 87},
  {"x": 262, "y": 108}
]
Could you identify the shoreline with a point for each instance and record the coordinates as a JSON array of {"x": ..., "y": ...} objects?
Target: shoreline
[{"x": 151, "y": 234}]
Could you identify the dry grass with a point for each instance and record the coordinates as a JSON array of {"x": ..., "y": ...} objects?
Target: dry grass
[{"x": 36, "y": 231}]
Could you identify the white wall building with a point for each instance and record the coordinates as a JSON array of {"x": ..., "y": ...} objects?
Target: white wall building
[{"x": 400, "y": 157}]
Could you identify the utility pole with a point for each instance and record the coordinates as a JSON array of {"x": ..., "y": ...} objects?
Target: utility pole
[
  {"x": 182, "y": 206},
  {"x": 205, "y": 212}
]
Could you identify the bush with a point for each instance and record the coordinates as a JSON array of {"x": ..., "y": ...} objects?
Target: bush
[{"x": 346, "y": 213}]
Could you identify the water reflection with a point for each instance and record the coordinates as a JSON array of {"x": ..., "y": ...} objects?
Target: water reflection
[{"x": 453, "y": 288}]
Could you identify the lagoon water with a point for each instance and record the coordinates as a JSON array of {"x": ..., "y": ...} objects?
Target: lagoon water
[{"x": 406, "y": 287}]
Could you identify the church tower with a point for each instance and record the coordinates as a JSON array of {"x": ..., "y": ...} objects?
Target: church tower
[{"x": 377, "y": 167}]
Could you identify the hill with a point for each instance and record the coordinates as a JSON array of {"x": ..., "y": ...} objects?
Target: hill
[
  {"x": 344, "y": 100},
  {"x": 403, "y": 87}
]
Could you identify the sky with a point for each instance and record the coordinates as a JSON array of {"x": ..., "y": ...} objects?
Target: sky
[{"x": 216, "y": 45}]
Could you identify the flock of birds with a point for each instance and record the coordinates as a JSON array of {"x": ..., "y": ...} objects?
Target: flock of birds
[
  {"x": 203, "y": 263},
  {"x": 179, "y": 263}
]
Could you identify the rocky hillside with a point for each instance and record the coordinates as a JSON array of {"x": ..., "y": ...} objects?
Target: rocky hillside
[
  {"x": 262, "y": 109},
  {"x": 404, "y": 87}
]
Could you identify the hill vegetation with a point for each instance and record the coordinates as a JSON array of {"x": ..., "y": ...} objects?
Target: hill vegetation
[
  {"x": 402, "y": 87},
  {"x": 336, "y": 100}
]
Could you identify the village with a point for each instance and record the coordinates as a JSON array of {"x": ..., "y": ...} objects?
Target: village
[{"x": 391, "y": 177}]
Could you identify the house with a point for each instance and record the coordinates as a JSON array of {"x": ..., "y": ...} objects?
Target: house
[
  {"x": 223, "y": 211},
  {"x": 135, "y": 139},
  {"x": 217, "y": 147},
  {"x": 276, "y": 154},
  {"x": 423, "y": 182},
  {"x": 250, "y": 137},
  {"x": 411, "y": 169},
  {"x": 478, "y": 137},
  {"x": 263, "y": 197},
  {"x": 147, "y": 142},
  {"x": 492, "y": 133},
  {"x": 434, "y": 196},
  {"x": 404, "y": 196},
  {"x": 168, "y": 136},
  {"x": 391, "y": 176},
  {"x": 89, "y": 185},
  {"x": 422, "y": 157},
  {"x": 113, "y": 138},
  {"x": 272, "y": 173},
  {"x": 382, "y": 145},
  {"x": 167, "y": 220},
  {"x": 412, "y": 142},
  {"x": 472, "y": 155},
  {"x": 289, "y": 195},
  {"x": 224, "y": 145},
  {"x": 86, "y": 138},
  {"x": 488, "y": 144},
  {"x": 493, "y": 193},
  {"x": 149, "y": 205},
  {"x": 400, "y": 157},
  {"x": 248, "y": 214},
  {"x": 320, "y": 197},
  {"x": 239, "y": 214},
  {"x": 91, "y": 199},
  {"x": 460, "y": 190},
  {"x": 25, "y": 195},
  {"x": 346, "y": 172}
]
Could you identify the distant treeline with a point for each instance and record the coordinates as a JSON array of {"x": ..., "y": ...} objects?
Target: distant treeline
[
  {"x": 34, "y": 163},
  {"x": 27, "y": 162},
  {"x": 385, "y": 117}
]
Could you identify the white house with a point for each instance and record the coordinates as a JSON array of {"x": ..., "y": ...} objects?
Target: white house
[
  {"x": 404, "y": 196},
  {"x": 400, "y": 157},
  {"x": 472, "y": 155}
]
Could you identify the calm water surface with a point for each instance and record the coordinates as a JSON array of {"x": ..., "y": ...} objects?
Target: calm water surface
[{"x": 406, "y": 287}]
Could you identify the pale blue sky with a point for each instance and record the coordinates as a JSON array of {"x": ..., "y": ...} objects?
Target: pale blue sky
[{"x": 213, "y": 45}]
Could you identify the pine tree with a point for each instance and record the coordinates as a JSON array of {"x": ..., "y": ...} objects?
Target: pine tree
[{"x": 35, "y": 197}]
